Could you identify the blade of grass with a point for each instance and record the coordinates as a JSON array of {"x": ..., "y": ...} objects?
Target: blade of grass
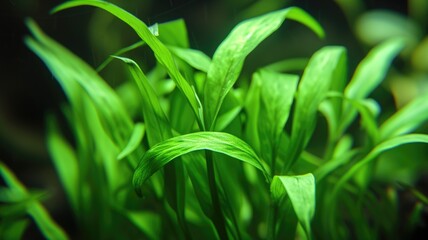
[{"x": 229, "y": 57}]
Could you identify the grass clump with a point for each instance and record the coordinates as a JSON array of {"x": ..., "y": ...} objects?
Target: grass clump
[{"x": 213, "y": 159}]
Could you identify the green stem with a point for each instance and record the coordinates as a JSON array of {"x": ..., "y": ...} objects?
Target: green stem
[
  {"x": 218, "y": 218},
  {"x": 272, "y": 220}
]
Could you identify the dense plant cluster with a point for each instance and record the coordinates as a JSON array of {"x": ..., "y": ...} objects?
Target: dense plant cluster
[{"x": 192, "y": 150}]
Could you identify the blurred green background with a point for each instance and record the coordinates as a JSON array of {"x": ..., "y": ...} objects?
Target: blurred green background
[{"x": 28, "y": 92}]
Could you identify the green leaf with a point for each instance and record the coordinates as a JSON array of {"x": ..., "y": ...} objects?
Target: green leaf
[
  {"x": 118, "y": 53},
  {"x": 324, "y": 66},
  {"x": 134, "y": 141},
  {"x": 276, "y": 96},
  {"x": 162, "y": 54},
  {"x": 65, "y": 162},
  {"x": 158, "y": 130},
  {"x": 174, "y": 33},
  {"x": 193, "y": 57},
  {"x": 68, "y": 69},
  {"x": 406, "y": 119},
  {"x": 230, "y": 55},
  {"x": 382, "y": 147},
  {"x": 49, "y": 228},
  {"x": 161, "y": 154},
  {"x": 301, "y": 192},
  {"x": 157, "y": 126},
  {"x": 232, "y": 106},
  {"x": 368, "y": 75},
  {"x": 13, "y": 229}
]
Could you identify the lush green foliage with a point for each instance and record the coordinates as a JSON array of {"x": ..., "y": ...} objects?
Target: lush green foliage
[{"x": 213, "y": 157}]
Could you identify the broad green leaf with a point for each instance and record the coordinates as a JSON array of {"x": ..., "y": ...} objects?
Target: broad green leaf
[
  {"x": 406, "y": 119},
  {"x": 65, "y": 162},
  {"x": 193, "y": 57},
  {"x": 276, "y": 96},
  {"x": 323, "y": 67},
  {"x": 368, "y": 75},
  {"x": 161, "y": 154},
  {"x": 229, "y": 57},
  {"x": 162, "y": 54},
  {"x": 301, "y": 192},
  {"x": 49, "y": 228},
  {"x": 134, "y": 141},
  {"x": 382, "y": 147}
]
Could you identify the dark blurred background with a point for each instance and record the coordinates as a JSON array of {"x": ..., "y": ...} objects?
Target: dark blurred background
[{"x": 28, "y": 91}]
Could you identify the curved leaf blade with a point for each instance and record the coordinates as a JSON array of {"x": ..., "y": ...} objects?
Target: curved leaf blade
[
  {"x": 277, "y": 94},
  {"x": 134, "y": 141},
  {"x": 382, "y": 147},
  {"x": 166, "y": 151},
  {"x": 193, "y": 57},
  {"x": 369, "y": 74},
  {"x": 230, "y": 55},
  {"x": 162, "y": 54},
  {"x": 301, "y": 191},
  {"x": 406, "y": 119},
  {"x": 49, "y": 228},
  {"x": 324, "y": 66}
]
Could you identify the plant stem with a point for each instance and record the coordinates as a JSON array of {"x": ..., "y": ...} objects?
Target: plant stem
[
  {"x": 272, "y": 219},
  {"x": 218, "y": 218}
]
